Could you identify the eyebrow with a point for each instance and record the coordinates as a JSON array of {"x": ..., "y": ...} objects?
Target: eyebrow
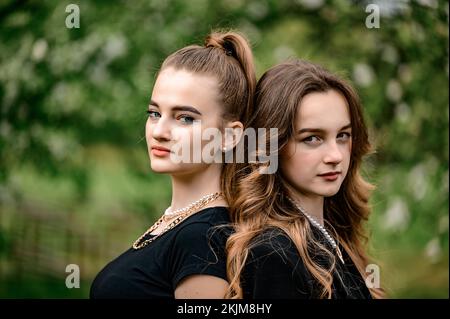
[
  {"x": 319, "y": 130},
  {"x": 179, "y": 107}
]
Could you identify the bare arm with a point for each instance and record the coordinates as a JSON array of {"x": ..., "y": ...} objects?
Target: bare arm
[{"x": 201, "y": 287}]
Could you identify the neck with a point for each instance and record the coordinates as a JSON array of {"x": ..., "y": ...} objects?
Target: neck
[
  {"x": 188, "y": 188},
  {"x": 313, "y": 205}
]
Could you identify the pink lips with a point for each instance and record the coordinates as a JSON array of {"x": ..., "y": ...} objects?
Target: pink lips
[
  {"x": 330, "y": 176},
  {"x": 160, "y": 151}
]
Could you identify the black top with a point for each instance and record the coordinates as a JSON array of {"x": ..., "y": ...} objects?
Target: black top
[
  {"x": 154, "y": 271},
  {"x": 275, "y": 270}
]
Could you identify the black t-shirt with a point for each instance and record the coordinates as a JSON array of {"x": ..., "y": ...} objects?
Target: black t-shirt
[
  {"x": 194, "y": 246},
  {"x": 275, "y": 270}
]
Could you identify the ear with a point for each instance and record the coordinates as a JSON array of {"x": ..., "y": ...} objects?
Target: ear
[{"x": 233, "y": 134}]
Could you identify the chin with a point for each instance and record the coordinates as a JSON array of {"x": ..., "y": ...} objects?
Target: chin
[
  {"x": 330, "y": 192},
  {"x": 326, "y": 191},
  {"x": 172, "y": 168},
  {"x": 160, "y": 170}
]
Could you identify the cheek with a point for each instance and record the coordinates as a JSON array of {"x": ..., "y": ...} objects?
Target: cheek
[
  {"x": 295, "y": 162},
  {"x": 182, "y": 134},
  {"x": 304, "y": 162},
  {"x": 148, "y": 130},
  {"x": 348, "y": 152}
]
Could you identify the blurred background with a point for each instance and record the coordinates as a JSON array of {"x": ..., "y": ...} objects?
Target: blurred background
[{"x": 75, "y": 180}]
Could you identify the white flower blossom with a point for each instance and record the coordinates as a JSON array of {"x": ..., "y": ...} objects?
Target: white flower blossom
[
  {"x": 397, "y": 215},
  {"x": 39, "y": 50},
  {"x": 433, "y": 250},
  {"x": 363, "y": 74},
  {"x": 394, "y": 91}
]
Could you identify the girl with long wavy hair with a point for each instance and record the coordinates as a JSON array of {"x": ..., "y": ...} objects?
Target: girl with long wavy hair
[
  {"x": 198, "y": 88},
  {"x": 300, "y": 232}
]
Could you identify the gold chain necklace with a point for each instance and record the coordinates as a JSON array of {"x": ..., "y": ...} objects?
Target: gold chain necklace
[{"x": 192, "y": 208}]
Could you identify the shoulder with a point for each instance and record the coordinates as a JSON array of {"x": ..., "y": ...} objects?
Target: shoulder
[
  {"x": 212, "y": 215},
  {"x": 207, "y": 223},
  {"x": 196, "y": 248},
  {"x": 274, "y": 268},
  {"x": 275, "y": 245}
]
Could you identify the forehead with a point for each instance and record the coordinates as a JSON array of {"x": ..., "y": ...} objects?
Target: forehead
[
  {"x": 326, "y": 110},
  {"x": 180, "y": 87}
]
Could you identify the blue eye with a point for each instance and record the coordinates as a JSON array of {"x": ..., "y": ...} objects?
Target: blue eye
[
  {"x": 153, "y": 114},
  {"x": 186, "y": 119}
]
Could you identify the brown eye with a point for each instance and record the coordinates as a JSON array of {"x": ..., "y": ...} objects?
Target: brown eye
[
  {"x": 344, "y": 136},
  {"x": 313, "y": 139}
]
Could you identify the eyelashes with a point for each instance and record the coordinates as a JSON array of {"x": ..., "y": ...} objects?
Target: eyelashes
[
  {"x": 316, "y": 139},
  {"x": 152, "y": 114},
  {"x": 183, "y": 118},
  {"x": 348, "y": 135},
  {"x": 186, "y": 119}
]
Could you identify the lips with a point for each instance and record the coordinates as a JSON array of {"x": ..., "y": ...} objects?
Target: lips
[
  {"x": 160, "y": 151},
  {"x": 160, "y": 148},
  {"x": 330, "y": 174}
]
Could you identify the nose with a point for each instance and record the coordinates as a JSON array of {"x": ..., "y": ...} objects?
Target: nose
[
  {"x": 333, "y": 154},
  {"x": 160, "y": 130}
]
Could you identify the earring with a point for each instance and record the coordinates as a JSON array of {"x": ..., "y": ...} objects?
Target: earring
[{"x": 224, "y": 149}]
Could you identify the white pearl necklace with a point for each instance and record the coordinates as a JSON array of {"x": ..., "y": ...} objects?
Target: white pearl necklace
[{"x": 321, "y": 228}]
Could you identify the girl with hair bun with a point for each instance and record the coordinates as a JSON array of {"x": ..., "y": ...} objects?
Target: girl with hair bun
[
  {"x": 183, "y": 254},
  {"x": 300, "y": 231}
]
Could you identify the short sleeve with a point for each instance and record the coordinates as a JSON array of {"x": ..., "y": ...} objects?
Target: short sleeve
[
  {"x": 276, "y": 271},
  {"x": 199, "y": 248}
]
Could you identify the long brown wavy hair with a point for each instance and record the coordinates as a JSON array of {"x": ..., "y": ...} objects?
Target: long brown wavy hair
[
  {"x": 227, "y": 56},
  {"x": 261, "y": 201}
]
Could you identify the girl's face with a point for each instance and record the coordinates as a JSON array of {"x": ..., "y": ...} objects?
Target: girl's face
[
  {"x": 316, "y": 159},
  {"x": 182, "y": 102}
]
